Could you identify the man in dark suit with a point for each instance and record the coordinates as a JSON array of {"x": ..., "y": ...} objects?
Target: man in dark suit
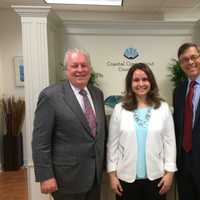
[
  {"x": 187, "y": 123},
  {"x": 68, "y": 148}
]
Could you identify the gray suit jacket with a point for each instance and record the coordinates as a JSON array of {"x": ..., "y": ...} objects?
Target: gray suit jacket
[{"x": 62, "y": 145}]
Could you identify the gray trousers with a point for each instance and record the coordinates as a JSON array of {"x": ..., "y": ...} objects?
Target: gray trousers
[{"x": 93, "y": 194}]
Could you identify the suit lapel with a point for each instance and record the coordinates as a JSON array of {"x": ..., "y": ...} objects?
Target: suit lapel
[
  {"x": 182, "y": 98},
  {"x": 197, "y": 115},
  {"x": 71, "y": 100}
]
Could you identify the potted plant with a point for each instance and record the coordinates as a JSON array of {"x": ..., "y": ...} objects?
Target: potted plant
[
  {"x": 94, "y": 78},
  {"x": 13, "y": 110},
  {"x": 176, "y": 74}
]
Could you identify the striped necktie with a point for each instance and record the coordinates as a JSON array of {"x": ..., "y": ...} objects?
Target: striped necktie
[
  {"x": 89, "y": 113},
  {"x": 188, "y": 114}
]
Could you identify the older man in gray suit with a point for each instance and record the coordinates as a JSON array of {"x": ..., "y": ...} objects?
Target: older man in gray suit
[{"x": 68, "y": 146}]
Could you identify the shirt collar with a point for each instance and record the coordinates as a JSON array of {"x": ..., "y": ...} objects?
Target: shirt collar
[
  {"x": 197, "y": 80},
  {"x": 76, "y": 89}
]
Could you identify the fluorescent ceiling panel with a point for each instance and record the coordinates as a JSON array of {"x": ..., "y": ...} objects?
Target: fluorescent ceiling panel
[{"x": 88, "y": 2}]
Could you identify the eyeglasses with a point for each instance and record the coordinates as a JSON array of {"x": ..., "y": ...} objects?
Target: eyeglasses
[{"x": 186, "y": 60}]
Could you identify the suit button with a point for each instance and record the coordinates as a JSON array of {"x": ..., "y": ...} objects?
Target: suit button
[{"x": 93, "y": 156}]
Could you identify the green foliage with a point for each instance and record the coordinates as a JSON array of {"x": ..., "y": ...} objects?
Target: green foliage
[
  {"x": 176, "y": 74},
  {"x": 94, "y": 78}
]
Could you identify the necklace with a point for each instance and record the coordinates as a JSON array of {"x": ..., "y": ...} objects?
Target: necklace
[{"x": 142, "y": 121}]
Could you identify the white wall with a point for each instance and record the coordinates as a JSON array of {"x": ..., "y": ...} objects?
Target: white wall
[
  {"x": 53, "y": 51},
  {"x": 10, "y": 46},
  {"x": 1, "y": 117},
  {"x": 55, "y": 33},
  {"x": 197, "y": 32},
  {"x": 1, "y": 73},
  {"x": 158, "y": 48}
]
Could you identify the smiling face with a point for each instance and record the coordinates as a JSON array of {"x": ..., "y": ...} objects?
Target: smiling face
[
  {"x": 78, "y": 70},
  {"x": 190, "y": 62},
  {"x": 140, "y": 84}
]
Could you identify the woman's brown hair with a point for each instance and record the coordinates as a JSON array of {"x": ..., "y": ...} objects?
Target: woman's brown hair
[{"x": 153, "y": 98}]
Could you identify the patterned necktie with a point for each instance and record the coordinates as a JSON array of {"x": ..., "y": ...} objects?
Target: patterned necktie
[
  {"x": 89, "y": 113},
  {"x": 188, "y": 113}
]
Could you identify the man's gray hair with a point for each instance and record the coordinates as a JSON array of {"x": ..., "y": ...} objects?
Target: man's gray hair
[{"x": 76, "y": 50}]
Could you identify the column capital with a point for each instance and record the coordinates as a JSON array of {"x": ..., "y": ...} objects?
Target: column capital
[{"x": 31, "y": 11}]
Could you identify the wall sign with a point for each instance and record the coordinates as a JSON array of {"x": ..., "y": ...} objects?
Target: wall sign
[{"x": 19, "y": 71}]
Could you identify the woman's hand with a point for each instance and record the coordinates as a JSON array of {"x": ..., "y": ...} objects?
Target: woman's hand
[
  {"x": 166, "y": 182},
  {"x": 115, "y": 184}
]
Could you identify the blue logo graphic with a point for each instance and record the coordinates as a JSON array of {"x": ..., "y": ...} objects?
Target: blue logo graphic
[
  {"x": 21, "y": 72},
  {"x": 111, "y": 101},
  {"x": 131, "y": 53}
]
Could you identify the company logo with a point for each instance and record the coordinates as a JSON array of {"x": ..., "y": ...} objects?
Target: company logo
[{"x": 131, "y": 53}]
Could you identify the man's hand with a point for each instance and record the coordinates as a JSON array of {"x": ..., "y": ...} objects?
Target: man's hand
[{"x": 48, "y": 186}]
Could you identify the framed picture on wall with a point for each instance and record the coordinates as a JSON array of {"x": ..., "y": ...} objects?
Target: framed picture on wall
[{"x": 19, "y": 71}]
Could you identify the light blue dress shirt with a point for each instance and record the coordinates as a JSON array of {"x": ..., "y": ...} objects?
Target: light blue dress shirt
[{"x": 196, "y": 96}]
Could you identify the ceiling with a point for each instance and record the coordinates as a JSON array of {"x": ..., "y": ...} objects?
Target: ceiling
[{"x": 188, "y": 10}]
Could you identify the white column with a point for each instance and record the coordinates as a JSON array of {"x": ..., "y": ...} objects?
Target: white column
[{"x": 35, "y": 57}]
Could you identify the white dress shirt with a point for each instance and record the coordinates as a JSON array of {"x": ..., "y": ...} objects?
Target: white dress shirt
[{"x": 80, "y": 97}]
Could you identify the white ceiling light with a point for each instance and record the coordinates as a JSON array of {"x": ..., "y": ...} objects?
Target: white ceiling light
[{"x": 88, "y": 2}]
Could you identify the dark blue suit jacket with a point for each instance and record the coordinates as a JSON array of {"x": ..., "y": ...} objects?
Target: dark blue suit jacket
[{"x": 179, "y": 101}]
